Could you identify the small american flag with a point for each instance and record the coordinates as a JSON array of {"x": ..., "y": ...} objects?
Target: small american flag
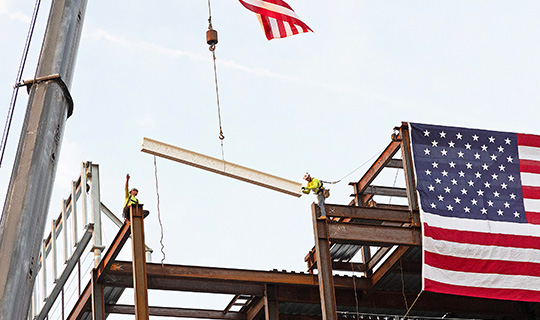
[
  {"x": 479, "y": 195},
  {"x": 277, "y": 18}
]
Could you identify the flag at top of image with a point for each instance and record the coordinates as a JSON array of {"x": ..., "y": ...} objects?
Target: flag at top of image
[
  {"x": 277, "y": 18},
  {"x": 479, "y": 194}
]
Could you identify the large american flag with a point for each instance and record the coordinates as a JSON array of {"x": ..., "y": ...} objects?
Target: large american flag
[
  {"x": 479, "y": 194},
  {"x": 277, "y": 18}
]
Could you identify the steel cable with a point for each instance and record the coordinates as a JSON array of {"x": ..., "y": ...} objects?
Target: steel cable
[{"x": 17, "y": 81}]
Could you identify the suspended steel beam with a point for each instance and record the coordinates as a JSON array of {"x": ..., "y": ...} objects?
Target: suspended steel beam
[{"x": 221, "y": 167}]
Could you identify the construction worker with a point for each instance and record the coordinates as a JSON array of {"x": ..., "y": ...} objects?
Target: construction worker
[
  {"x": 131, "y": 198},
  {"x": 317, "y": 187}
]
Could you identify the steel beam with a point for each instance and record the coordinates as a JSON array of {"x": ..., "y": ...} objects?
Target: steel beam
[
  {"x": 255, "y": 309},
  {"x": 324, "y": 265},
  {"x": 178, "y": 312},
  {"x": 98, "y": 300},
  {"x": 177, "y": 277},
  {"x": 379, "y": 235},
  {"x": 368, "y": 213},
  {"x": 139, "y": 262},
  {"x": 385, "y": 191},
  {"x": 271, "y": 305},
  {"x": 221, "y": 167},
  {"x": 28, "y": 196},
  {"x": 114, "y": 249},
  {"x": 374, "y": 170},
  {"x": 70, "y": 265},
  {"x": 408, "y": 166}
]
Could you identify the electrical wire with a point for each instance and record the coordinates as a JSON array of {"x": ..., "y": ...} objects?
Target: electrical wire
[
  {"x": 17, "y": 81},
  {"x": 159, "y": 213}
]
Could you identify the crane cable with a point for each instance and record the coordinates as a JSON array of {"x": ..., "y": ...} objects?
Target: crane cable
[
  {"x": 18, "y": 80},
  {"x": 211, "y": 39}
]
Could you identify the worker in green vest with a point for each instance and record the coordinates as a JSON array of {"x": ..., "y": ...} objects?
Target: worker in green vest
[
  {"x": 131, "y": 198},
  {"x": 317, "y": 187}
]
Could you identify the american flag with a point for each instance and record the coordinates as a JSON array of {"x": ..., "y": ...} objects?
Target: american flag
[
  {"x": 277, "y": 18},
  {"x": 479, "y": 195}
]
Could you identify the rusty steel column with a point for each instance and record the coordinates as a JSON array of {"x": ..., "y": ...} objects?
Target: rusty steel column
[
  {"x": 271, "y": 306},
  {"x": 324, "y": 265},
  {"x": 408, "y": 166},
  {"x": 139, "y": 262},
  {"x": 98, "y": 300}
]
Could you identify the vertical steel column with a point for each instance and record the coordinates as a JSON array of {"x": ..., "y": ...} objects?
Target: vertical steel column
[
  {"x": 29, "y": 193},
  {"x": 98, "y": 300},
  {"x": 97, "y": 246},
  {"x": 408, "y": 166},
  {"x": 324, "y": 265},
  {"x": 139, "y": 262},
  {"x": 271, "y": 306}
]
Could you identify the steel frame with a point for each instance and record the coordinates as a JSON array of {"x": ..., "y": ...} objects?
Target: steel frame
[{"x": 363, "y": 223}]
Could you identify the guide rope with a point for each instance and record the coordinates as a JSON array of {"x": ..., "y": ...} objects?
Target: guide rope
[
  {"x": 363, "y": 164},
  {"x": 18, "y": 80},
  {"x": 159, "y": 213}
]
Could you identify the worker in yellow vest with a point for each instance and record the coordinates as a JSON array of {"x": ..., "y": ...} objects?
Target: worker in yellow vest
[
  {"x": 131, "y": 198},
  {"x": 317, "y": 187}
]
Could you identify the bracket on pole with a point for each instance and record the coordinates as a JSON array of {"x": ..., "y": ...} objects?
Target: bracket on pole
[{"x": 56, "y": 78}]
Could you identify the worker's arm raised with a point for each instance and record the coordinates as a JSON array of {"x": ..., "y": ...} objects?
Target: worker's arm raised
[{"x": 127, "y": 186}]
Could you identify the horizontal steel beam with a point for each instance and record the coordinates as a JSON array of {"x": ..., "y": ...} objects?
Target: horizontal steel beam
[
  {"x": 386, "y": 191},
  {"x": 221, "y": 167},
  {"x": 374, "y": 234},
  {"x": 368, "y": 213},
  {"x": 206, "y": 279},
  {"x": 178, "y": 312}
]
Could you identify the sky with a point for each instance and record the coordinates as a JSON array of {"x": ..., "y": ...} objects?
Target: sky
[{"x": 324, "y": 102}]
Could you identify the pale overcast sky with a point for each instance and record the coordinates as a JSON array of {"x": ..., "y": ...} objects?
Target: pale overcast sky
[{"x": 323, "y": 102}]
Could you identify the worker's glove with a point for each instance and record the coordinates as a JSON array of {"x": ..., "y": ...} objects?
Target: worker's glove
[{"x": 303, "y": 188}]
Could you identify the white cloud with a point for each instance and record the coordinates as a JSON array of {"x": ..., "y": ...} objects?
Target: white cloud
[
  {"x": 16, "y": 16},
  {"x": 98, "y": 35}
]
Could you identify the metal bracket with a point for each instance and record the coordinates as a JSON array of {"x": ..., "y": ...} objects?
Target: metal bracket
[{"x": 57, "y": 79}]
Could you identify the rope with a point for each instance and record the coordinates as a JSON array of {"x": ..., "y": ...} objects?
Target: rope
[
  {"x": 363, "y": 164},
  {"x": 393, "y": 186},
  {"x": 412, "y": 305},
  {"x": 355, "y": 294},
  {"x": 213, "y": 49},
  {"x": 159, "y": 213},
  {"x": 403, "y": 284},
  {"x": 17, "y": 81}
]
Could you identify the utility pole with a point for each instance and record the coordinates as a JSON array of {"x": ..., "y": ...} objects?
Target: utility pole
[{"x": 32, "y": 178}]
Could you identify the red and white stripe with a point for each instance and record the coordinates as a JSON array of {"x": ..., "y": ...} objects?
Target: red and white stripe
[
  {"x": 490, "y": 259},
  {"x": 481, "y": 258},
  {"x": 529, "y": 167},
  {"x": 277, "y": 18}
]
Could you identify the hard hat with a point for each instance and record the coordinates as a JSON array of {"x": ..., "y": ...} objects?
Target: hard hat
[{"x": 306, "y": 175}]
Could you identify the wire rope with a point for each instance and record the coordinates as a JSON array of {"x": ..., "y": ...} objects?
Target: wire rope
[
  {"x": 213, "y": 50},
  {"x": 17, "y": 81}
]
